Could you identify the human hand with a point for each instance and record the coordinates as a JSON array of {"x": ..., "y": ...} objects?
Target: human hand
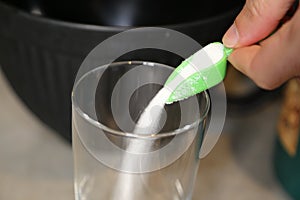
[{"x": 274, "y": 60}]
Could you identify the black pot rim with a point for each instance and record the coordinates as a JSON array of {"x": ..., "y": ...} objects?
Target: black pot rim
[{"x": 92, "y": 27}]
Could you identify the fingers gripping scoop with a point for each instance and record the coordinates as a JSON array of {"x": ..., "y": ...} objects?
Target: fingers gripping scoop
[{"x": 201, "y": 71}]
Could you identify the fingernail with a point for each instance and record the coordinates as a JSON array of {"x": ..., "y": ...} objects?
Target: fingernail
[{"x": 231, "y": 37}]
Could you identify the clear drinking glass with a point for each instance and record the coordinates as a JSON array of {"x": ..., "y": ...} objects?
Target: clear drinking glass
[{"x": 113, "y": 163}]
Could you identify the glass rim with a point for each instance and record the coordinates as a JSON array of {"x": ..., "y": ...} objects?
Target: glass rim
[{"x": 112, "y": 131}]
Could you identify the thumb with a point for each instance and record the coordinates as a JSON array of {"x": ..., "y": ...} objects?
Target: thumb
[
  {"x": 256, "y": 21},
  {"x": 275, "y": 60}
]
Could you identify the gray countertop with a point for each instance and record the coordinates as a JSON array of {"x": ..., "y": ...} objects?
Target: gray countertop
[{"x": 36, "y": 163}]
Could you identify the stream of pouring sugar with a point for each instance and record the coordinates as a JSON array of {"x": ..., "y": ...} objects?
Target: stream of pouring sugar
[{"x": 130, "y": 186}]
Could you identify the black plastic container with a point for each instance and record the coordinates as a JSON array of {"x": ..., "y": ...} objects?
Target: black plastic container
[{"x": 40, "y": 56}]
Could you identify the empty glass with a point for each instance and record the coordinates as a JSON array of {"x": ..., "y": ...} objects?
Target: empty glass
[{"x": 113, "y": 163}]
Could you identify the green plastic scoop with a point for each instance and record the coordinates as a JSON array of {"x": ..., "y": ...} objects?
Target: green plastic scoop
[{"x": 201, "y": 71}]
